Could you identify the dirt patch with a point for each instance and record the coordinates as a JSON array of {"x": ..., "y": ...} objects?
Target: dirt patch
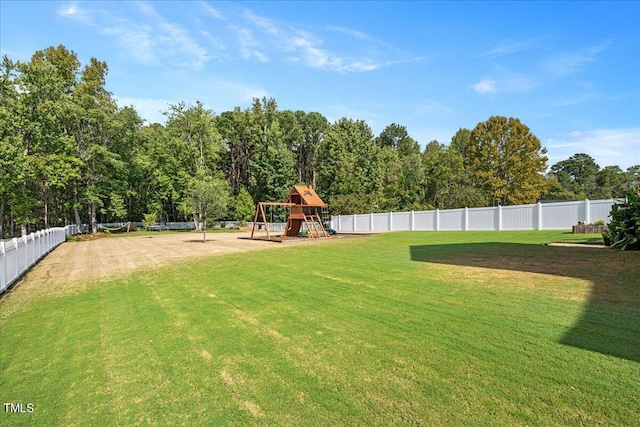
[
  {"x": 579, "y": 245},
  {"x": 74, "y": 265}
]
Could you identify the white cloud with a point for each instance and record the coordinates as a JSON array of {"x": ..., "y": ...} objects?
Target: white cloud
[
  {"x": 507, "y": 81},
  {"x": 227, "y": 92},
  {"x": 509, "y": 48},
  {"x": 353, "y": 33},
  {"x": 260, "y": 37},
  {"x": 607, "y": 146},
  {"x": 248, "y": 45},
  {"x": 146, "y": 37},
  {"x": 148, "y": 109},
  {"x": 172, "y": 39},
  {"x": 210, "y": 10},
  {"x": 217, "y": 94},
  {"x": 569, "y": 63},
  {"x": 575, "y": 100},
  {"x": 431, "y": 108},
  {"x": 137, "y": 40},
  {"x": 485, "y": 86},
  {"x": 74, "y": 12}
]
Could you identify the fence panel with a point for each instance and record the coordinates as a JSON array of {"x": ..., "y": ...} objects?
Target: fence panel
[
  {"x": 482, "y": 219},
  {"x": 19, "y": 254},
  {"x": 559, "y": 216},
  {"x": 522, "y": 217},
  {"x": 346, "y": 222},
  {"x": 9, "y": 263},
  {"x": 401, "y": 221},
  {"x": 362, "y": 222},
  {"x": 451, "y": 220},
  {"x": 379, "y": 221},
  {"x": 600, "y": 209},
  {"x": 424, "y": 221},
  {"x": 541, "y": 216}
]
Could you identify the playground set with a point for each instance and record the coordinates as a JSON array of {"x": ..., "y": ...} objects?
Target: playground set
[{"x": 304, "y": 207}]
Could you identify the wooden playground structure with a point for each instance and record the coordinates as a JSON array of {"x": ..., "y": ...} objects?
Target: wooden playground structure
[{"x": 304, "y": 206}]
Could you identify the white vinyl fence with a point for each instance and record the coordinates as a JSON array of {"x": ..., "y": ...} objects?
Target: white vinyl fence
[
  {"x": 540, "y": 216},
  {"x": 19, "y": 254}
]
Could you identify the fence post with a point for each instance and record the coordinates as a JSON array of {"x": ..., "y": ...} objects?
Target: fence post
[
  {"x": 390, "y": 221},
  {"x": 411, "y": 220},
  {"x": 26, "y": 253},
  {"x": 587, "y": 208},
  {"x": 539, "y": 209},
  {"x": 32, "y": 249},
  {"x": 466, "y": 219},
  {"x": 371, "y": 221},
  {"x": 499, "y": 213},
  {"x": 17, "y": 258},
  {"x": 3, "y": 268},
  {"x": 354, "y": 222},
  {"x": 437, "y": 219}
]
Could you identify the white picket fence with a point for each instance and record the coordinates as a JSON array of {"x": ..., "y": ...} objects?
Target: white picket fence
[
  {"x": 539, "y": 216},
  {"x": 19, "y": 254}
]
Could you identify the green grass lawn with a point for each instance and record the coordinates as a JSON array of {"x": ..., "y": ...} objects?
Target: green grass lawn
[{"x": 446, "y": 328}]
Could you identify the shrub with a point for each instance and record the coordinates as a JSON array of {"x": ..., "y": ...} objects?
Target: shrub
[
  {"x": 149, "y": 219},
  {"x": 625, "y": 221},
  {"x": 245, "y": 208}
]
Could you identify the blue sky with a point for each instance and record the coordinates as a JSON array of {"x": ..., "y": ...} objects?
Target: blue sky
[{"x": 569, "y": 71}]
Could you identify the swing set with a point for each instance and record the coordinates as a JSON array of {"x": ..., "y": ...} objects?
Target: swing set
[{"x": 304, "y": 208}]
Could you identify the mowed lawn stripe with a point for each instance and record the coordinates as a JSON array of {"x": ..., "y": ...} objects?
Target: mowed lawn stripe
[{"x": 391, "y": 329}]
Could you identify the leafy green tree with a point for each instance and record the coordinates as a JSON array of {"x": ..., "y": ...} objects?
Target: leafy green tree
[
  {"x": 353, "y": 203},
  {"x": 610, "y": 180},
  {"x": 557, "y": 191},
  {"x": 274, "y": 172},
  {"x": 507, "y": 161},
  {"x": 403, "y": 172},
  {"x": 11, "y": 145},
  {"x": 93, "y": 128},
  {"x": 349, "y": 164},
  {"x": 245, "y": 208},
  {"x": 197, "y": 141},
  {"x": 413, "y": 183},
  {"x": 272, "y": 162},
  {"x": 397, "y": 138},
  {"x": 208, "y": 199},
  {"x": 461, "y": 144},
  {"x": 447, "y": 186},
  {"x": 314, "y": 126},
  {"x": 42, "y": 117},
  {"x": 126, "y": 131},
  {"x": 290, "y": 129},
  {"x": 577, "y": 175},
  {"x": 159, "y": 179},
  {"x": 391, "y": 191},
  {"x": 235, "y": 129},
  {"x": 149, "y": 219}
]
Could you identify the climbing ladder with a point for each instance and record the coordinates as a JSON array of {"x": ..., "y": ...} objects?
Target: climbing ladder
[{"x": 314, "y": 225}]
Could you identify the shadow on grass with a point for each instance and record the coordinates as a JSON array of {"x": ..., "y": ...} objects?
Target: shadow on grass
[{"x": 610, "y": 322}]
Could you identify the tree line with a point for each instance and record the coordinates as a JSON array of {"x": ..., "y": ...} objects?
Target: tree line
[{"x": 70, "y": 155}]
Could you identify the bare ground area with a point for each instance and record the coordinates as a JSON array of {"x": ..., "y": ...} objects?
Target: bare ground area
[{"x": 74, "y": 265}]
